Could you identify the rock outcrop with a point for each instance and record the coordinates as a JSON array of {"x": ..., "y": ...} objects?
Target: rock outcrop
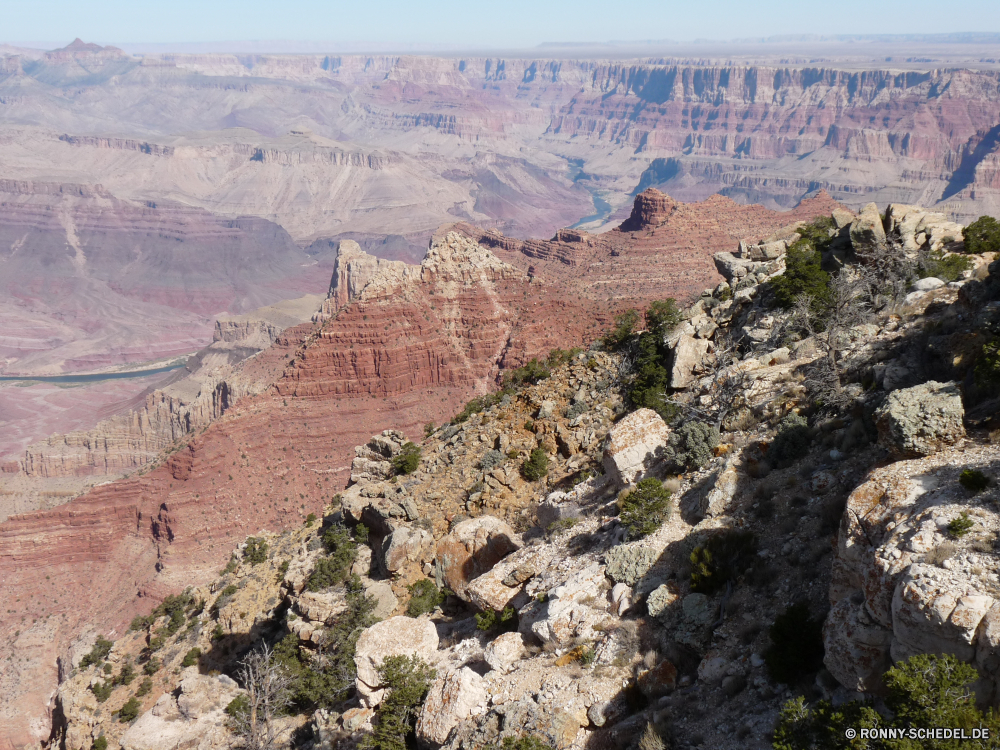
[
  {"x": 634, "y": 445},
  {"x": 397, "y": 636},
  {"x": 921, "y": 420}
]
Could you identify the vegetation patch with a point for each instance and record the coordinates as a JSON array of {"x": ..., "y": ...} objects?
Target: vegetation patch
[
  {"x": 982, "y": 236},
  {"x": 796, "y": 648},
  {"x": 692, "y": 445},
  {"x": 535, "y": 466},
  {"x": 256, "y": 551},
  {"x": 130, "y": 711},
  {"x": 721, "y": 559},
  {"x": 924, "y": 691},
  {"x": 804, "y": 274},
  {"x": 643, "y": 510},
  {"x": 959, "y": 527},
  {"x": 407, "y": 678},
  {"x": 497, "y": 622},
  {"x": 425, "y": 597},
  {"x": 99, "y": 652},
  {"x": 973, "y": 480},
  {"x": 792, "y": 442},
  {"x": 407, "y": 460},
  {"x": 945, "y": 267}
]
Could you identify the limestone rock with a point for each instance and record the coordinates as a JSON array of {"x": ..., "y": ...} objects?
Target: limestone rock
[
  {"x": 688, "y": 354},
  {"x": 385, "y": 600},
  {"x": 856, "y": 647},
  {"x": 928, "y": 284},
  {"x": 698, "y": 609},
  {"x": 921, "y": 420},
  {"x": 571, "y": 609},
  {"x": 193, "y": 719},
  {"x": 397, "y": 636},
  {"x": 934, "y": 612},
  {"x": 633, "y": 444},
  {"x": 731, "y": 267},
  {"x": 504, "y": 651},
  {"x": 716, "y": 500},
  {"x": 503, "y": 585},
  {"x": 321, "y": 606},
  {"x": 628, "y": 563},
  {"x": 867, "y": 232},
  {"x": 659, "y": 600},
  {"x": 451, "y": 698},
  {"x": 406, "y": 544},
  {"x": 472, "y": 548}
]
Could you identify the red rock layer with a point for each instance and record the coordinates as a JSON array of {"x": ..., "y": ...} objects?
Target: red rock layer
[{"x": 663, "y": 249}]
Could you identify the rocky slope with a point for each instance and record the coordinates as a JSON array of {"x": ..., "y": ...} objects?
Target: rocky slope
[{"x": 614, "y": 635}]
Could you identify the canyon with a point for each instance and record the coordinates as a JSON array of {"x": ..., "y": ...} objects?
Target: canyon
[
  {"x": 411, "y": 345},
  {"x": 343, "y": 244}
]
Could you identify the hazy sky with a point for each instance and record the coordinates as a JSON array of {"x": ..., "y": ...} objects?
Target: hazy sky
[{"x": 465, "y": 24}]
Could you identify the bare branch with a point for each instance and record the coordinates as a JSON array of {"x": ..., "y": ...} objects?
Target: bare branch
[{"x": 268, "y": 692}]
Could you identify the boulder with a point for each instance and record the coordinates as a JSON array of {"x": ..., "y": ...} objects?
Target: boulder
[
  {"x": 867, "y": 232},
  {"x": 856, "y": 648},
  {"x": 504, "y": 652},
  {"x": 634, "y": 443},
  {"x": 659, "y": 681},
  {"x": 385, "y": 600},
  {"x": 712, "y": 669},
  {"x": 570, "y": 611},
  {"x": 659, "y": 600},
  {"x": 321, "y": 606},
  {"x": 194, "y": 717},
  {"x": 397, "y": 636},
  {"x": 472, "y": 548},
  {"x": 504, "y": 585},
  {"x": 716, "y": 500},
  {"x": 927, "y": 285},
  {"x": 732, "y": 267},
  {"x": 406, "y": 544},
  {"x": 451, "y": 699},
  {"x": 698, "y": 609},
  {"x": 921, "y": 420},
  {"x": 688, "y": 354},
  {"x": 628, "y": 563}
]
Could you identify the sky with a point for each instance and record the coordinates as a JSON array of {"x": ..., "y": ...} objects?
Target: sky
[{"x": 461, "y": 24}]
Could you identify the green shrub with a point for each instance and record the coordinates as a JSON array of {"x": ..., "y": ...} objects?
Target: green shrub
[
  {"x": 644, "y": 509},
  {"x": 721, "y": 559},
  {"x": 620, "y": 334},
  {"x": 535, "y": 466},
  {"x": 791, "y": 443},
  {"x": 648, "y": 389},
  {"x": 230, "y": 566},
  {"x": 803, "y": 275},
  {"x": 796, "y": 648},
  {"x": 310, "y": 520},
  {"x": 959, "y": 527},
  {"x": 101, "y": 743},
  {"x": 575, "y": 410},
  {"x": 126, "y": 674},
  {"x": 175, "y": 606},
  {"x": 662, "y": 317},
  {"x": 102, "y": 690},
  {"x": 692, "y": 445},
  {"x": 107, "y": 668},
  {"x": 478, "y": 404},
  {"x": 130, "y": 711},
  {"x": 328, "y": 678},
  {"x": 491, "y": 459},
  {"x": 987, "y": 367},
  {"x": 924, "y": 691},
  {"x": 940, "y": 266},
  {"x": 256, "y": 551},
  {"x": 407, "y": 679},
  {"x": 973, "y": 480},
  {"x": 238, "y": 706},
  {"x": 407, "y": 460},
  {"x": 424, "y": 597},
  {"x": 191, "y": 657},
  {"x": 982, "y": 235},
  {"x": 361, "y": 534},
  {"x": 428, "y": 429},
  {"x": 335, "y": 568},
  {"x": 99, "y": 652},
  {"x": 526, "y": 742},
  {"x": 152, "y": 666},
  {"x": 283, "y": 569},
  {"x": 145, "y": 687},
  {"x": 529, "y": 373},
  {"x": 493, "y": 621}
]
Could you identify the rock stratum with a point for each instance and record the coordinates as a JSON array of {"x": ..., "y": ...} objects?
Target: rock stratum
[{"x": 313, "y": 142}]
